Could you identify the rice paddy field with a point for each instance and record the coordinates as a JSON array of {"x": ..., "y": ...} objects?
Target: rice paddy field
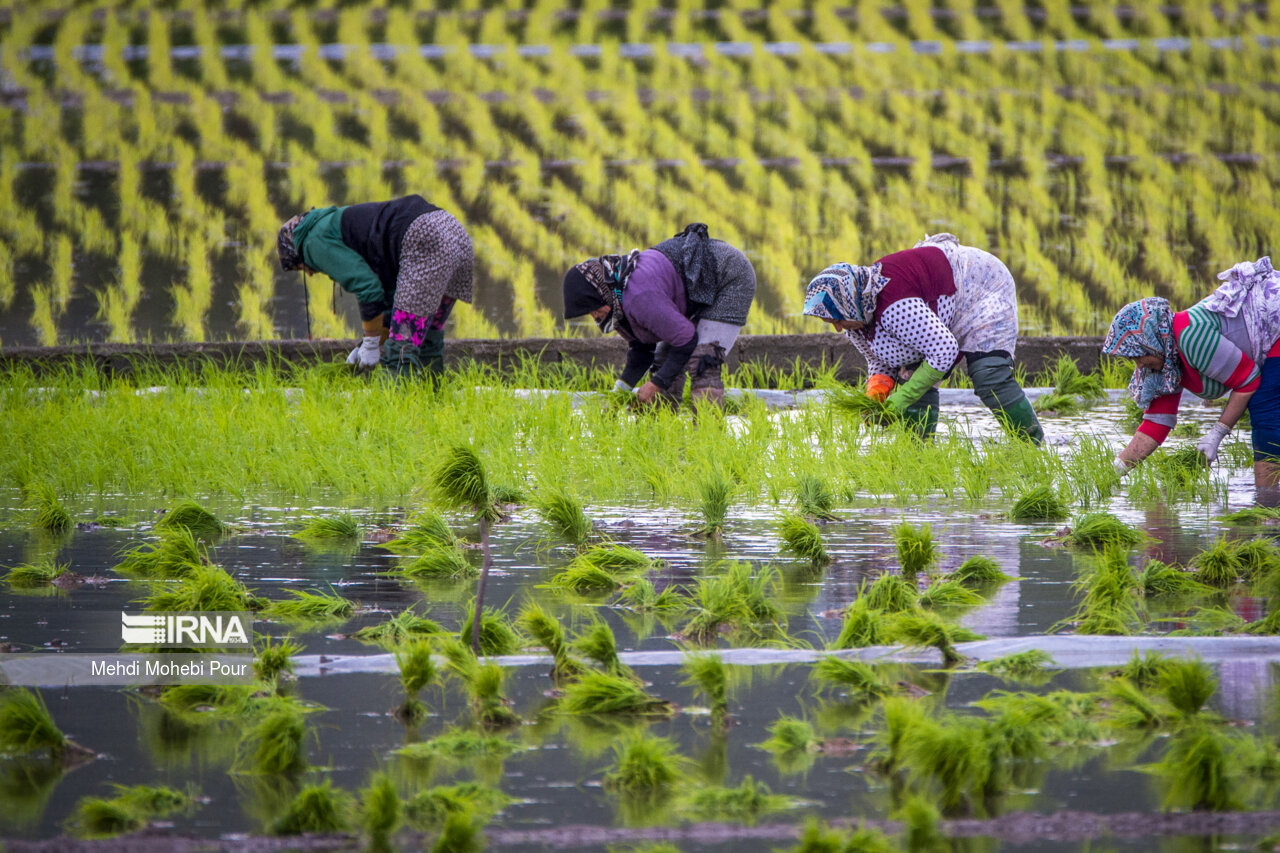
[
  {"x": 148, "y": 153},
  {"x": 769, "y": 627}
]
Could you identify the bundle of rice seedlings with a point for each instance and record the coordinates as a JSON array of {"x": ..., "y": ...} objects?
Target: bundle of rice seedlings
[
  {"x": 1100, "y": 530},
  {"x": 858, "y": 678},
  {"x": 417, "y": 670},
  {"x": 803, "y": 539},
  {"x": 380, "y": 811},
  {"x": 271, "y": 660},
  {"x": 890, "y": 593},
  {"x": 791, "y": 735},
  {"x": 901, "y": 719},
  {"x": 814, "y": 499},
  {"x": 735, "y": 599},
  {"x": 953, "y": 753},
  {"x": 1019, "y": 665},
  {"x": 35, "y": 575},
  {"x": 921, "y": 823},
  {"x": 855, "y": 402},
  {"x": 863, "y": 626},
  {"x": 597, "y": 643},
  {"x": 204, "y": 587},
  {"x": 563, "y": 513},
  {"x": 190, "y": 516},
  {"x": 128, "y": 811},
  {"x": 603, "y": 693},
  {"x": 644, "y": 763},
  {"x": 1067, "y": 379},
  {"x": 461, "y": 834},
  {"x": 316, "y": 809},
  {"x": 1129, "y": 707},
  {"x": 1185, "y": 460},
  {"x": 818, "y": 837},
  {"x": 310, "y": 607},
  {"x": 706, "y": 673},
  {"x": 322, "y": 529},
  {"x": 1109, "y": 606},
  {"x": 944, "y": 594},
  {"x": 26, "y": 725},
  {"x": 430, "y": 808},
  {"x": 1202, "y": 771},
  {"x": 642, "y": 597},
  {"x": 275, "y": 744},
  {"x": 483, "y": 682},
  {"x": 549, "y": 633},
  {"x": 713, "y": 505},
  {"x": 193, "y": 697},
  {"x": 459, "y": 744},
  {"x": 1258, "y": 558},
  {"x": 1218, "y": 565},
  {"x": 447, "y": 562},
  {"x": 461, "y": 483},
  {"x": 1160, "y": 578},
  {"x": 51, "y": 515},
  {"x": 399, "y": 629},
  {"x": 1144, "y": 670},
  {"x": 1058, "y": 404},
  {"x": 426, "y": 530},
  {"x": 1188, "y": 685},
  {"x": 174, "y": 556},
  {"x": 916, "y": 550},
  {"x": 979, "y": 571},
  {"x": 1252, "y": 515},
  {"x": 1038, "y": 503},
  {"x": 923, "y": 628},
  {"x": 744, "y": 804},
  {"x": 601, "y": 567},
  {"x": 498, "y": 636}
]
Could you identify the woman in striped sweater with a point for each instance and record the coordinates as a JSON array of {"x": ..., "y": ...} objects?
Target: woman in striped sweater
[{"x": 1228, "y": 343}]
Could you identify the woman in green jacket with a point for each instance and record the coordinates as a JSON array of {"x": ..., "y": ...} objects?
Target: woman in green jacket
[{"x": 406, "y": 261}]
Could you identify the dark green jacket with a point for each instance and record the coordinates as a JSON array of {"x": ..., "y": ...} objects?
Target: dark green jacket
[{"x": 318, "y": 239}]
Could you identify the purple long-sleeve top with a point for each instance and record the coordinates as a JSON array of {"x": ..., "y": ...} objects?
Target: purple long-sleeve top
[{"x": 655, "y": 302}]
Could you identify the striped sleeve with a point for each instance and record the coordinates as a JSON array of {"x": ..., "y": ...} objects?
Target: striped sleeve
[
  {"x": 1210, "y": 353},
  {"x": 1161, "y": 417}
]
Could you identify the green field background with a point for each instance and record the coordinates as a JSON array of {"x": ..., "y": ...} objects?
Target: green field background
[{"x": 148, "y": 154}]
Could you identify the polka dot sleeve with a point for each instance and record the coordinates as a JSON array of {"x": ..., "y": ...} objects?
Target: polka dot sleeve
[
  {"x": 874, "y": 363},
  {"x": 911, "y": 322}
]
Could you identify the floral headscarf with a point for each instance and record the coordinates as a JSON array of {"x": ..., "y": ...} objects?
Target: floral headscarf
[
  {"x": 607, "y": 276},
  {"x": 1142, "y": 328},
  {"x": 289, "y": 257},
  {"x": 844, "y": 292}
]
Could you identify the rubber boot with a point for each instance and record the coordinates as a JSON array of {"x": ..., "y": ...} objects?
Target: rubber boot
[
  {"x": 993, "y": 382},
  {"x": 432, "y": 352},
  {"x": 401, "y": 358},
  {"x": 706, "y": 374},
  {"x": 921, "y": 417}
]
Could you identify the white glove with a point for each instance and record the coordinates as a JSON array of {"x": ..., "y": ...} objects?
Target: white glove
[
  {"x": 1121, "y": 467},
  {"x": 1208, "y": 446},
  {"x": 619, "y": 385},
  {"x": 368, "y": 354}
]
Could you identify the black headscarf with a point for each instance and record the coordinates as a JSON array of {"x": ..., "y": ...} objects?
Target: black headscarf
[{"x": 597, "y": 282}]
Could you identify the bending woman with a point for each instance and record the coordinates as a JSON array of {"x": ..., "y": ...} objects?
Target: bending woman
[
  {"x": 406, "y": 261},
  {"x": 680, "y": 304},
  {"x": 1227, "y": 343},
  {"x": 915, "y": 313}
]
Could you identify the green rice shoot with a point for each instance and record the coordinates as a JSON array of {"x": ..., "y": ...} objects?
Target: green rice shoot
[
  {"x": 563, "y": 514},
  {"x": 51, "y": 516},
  {"x": 706, "y": 673},
  {"x": 814, "y": 499},
  {"x": 1038, "y": 503},
  {"x": 803, "y": 539},
  {"x": 190, "y": 516},
  {"x": 916, "y": 551},
  {"x": 341, "y": 528},
  {"x": 35, "y": 575},
  {"x": 715, "y": 494}
]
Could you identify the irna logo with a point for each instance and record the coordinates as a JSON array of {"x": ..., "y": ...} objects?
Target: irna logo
[{"x": 187, "y": 630}]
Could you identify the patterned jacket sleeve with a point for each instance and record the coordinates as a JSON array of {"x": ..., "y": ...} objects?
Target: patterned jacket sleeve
[{"x": 916, "y": 326}]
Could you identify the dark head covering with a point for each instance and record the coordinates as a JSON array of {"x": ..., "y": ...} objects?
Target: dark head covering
[
  {"x": 596, "y": 282},
  {"x": 289, "y": 257},
  {"x": 580, "y": 295}
]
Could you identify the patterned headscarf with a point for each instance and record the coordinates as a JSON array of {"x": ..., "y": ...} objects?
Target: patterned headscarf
[
  {"x": 608, "y": 274},
  {"x": 289, "y": 257},
  {"x": 1142, "y": 328},
  {"x": 844, "y": 292},
  {"x": 1251, "y": 289}
]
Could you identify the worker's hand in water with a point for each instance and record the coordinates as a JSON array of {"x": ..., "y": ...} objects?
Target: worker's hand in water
[{"x": 367, "y": 354}]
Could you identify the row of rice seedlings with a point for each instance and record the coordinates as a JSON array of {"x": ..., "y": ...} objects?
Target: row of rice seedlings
[
  {"x": 129, "y": 810},
  {"x": 190, "y": 516},
  {"x": 563, "y": 513},
  {"x": 35, "y": 575},
  {"x": 601, "y": 567},
  {"x": 803, "y": 539},
  {"x": 1039, "y": 503},
  {"x": 426, "y": 531}
]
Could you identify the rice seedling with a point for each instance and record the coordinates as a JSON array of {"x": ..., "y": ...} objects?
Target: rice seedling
[
  {"x": 952, "y": 753},
  {"x": 863, "y": 626},
  {"x": 1252, "y": 515},
  {"x": 1188, "y": 685},
  {"x": 128, "y": 811},
  {"x": 342, "y": 528},
  {"x": 275, "y": 744},
  {"x": 176, "y": 555},
  {"x": 426, "y": 531},
  {"x": 484, "y": 684},
  {"x": 26, "y": 726},
  {"x": 890, "y": 593},
  {"x": 644, "y": 764},
  {"x": 745, "y": 803},
  {"x": 923, "y": 628},
  {"x": 35, "y": 575},
  {"x": 706, "y": 673},
  {"x": 549, "y": 633},
  {"x": 306, "y": 606},
  {"x": 1026, "y": 665},
  {"x": 204, "y": 587},
  {"x": 791, "y": 735},
  {"x": 1109, "y": 605},
  {"x": 1159, "y": 578},
  {"x": 1258, "y": 558},
  {"x": 736, "y": 599},
  {"x": 922, "y": 823},
  {"x": 1066, "y": 378},
  {"x": 916, "y": 550},
  {"x": 1131, "y": 708},
  {"x": 563, "y": 513},
  {"x": 445, "y": 562},
  {"x": 803, "y": 539},
  {"x": 714, "y": 496},
  {"x": 597, "y": 643},
  {"x": 417, "y": 670},
  {"x": 399, "y": 629},
  {"x": 273, "y": 660},
  {"x": 497, "y": 635},
  {"x": 232, "y": 699},
  {"x": 601, "y": 567},
  {"x": 817, "y": 837},
  {"x": 642, "y": 597},
  {"x": 190, "y": 516},
  {"x": 51, "y": 515},
  {"x": 1038, "y": 503},
  {"x": 461, "y": 483},
  {"x": 1185, "y": 461},
  {"x": 604, "y": 693},
  {"x": 460, "y": 745},
  {"x": 1144, "y": 670},
  {"x": 460, "y": 834},
  {"x": 979, "y": 571},
  {"x": 1218, "y": 565},
  {"x": 814, "y": 499},
  {"x": 1099, "y": 530},
  {"x": 316, "y": 809},
  {"x": 854, "y": 402},
  {"x": 948, "y": 594},
  {"x": 1057, "y": 403},
  {"x": 430, "y": 808},
  {"x": 380, "y": 811},
  {"x": 859, "y": 678},
  {"x": 1201, "y": 771}
]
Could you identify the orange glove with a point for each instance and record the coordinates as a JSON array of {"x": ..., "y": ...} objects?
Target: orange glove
[{"x": 879, "y": 386}]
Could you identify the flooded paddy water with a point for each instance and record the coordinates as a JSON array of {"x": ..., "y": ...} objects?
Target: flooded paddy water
[{"x": 551, "y": 768}]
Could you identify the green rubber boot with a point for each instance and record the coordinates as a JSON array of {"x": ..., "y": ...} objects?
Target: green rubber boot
[
  {"x": 401, "y": 358},
  {"x": 1020, "y": 419},
  {"x": 432, "y": 352},
  {"x": 921, "y": 417}
]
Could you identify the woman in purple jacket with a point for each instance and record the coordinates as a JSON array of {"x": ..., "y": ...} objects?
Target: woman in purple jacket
[{"x": 680, "y": 305}]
